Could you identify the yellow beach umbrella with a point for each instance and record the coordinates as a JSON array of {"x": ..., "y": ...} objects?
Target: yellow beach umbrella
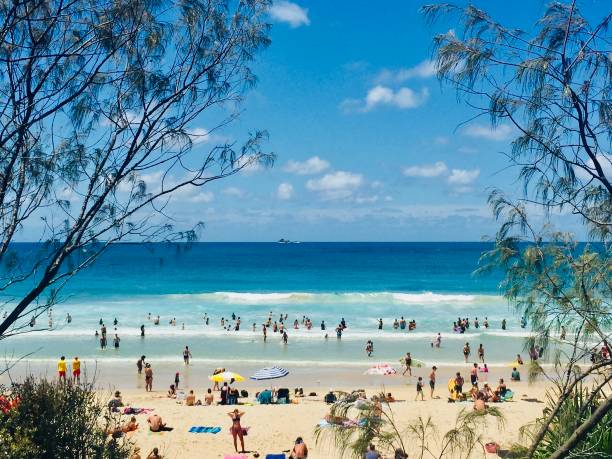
[{"x": 226, "y": 376}]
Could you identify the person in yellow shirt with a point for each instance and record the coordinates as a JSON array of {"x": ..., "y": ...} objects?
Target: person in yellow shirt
[
  {"x": 76, "y": 370},
  {"x": 61, "y": 368}
]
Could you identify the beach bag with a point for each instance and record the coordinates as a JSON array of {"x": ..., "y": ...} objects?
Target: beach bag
[
  {"x": 244, "y": 393},
  {"x": 491, "y": 447}
]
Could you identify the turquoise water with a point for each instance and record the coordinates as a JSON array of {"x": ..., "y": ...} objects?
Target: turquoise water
[{"x": 431, "y": 283}]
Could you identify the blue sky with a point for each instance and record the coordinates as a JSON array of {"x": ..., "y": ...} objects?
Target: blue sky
[{"x": 369, "y": 145}]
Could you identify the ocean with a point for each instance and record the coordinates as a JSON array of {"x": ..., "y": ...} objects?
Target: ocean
[{"x": 431, "y": 283}]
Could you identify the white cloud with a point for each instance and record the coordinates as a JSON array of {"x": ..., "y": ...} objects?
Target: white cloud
[
  {"x": 248, "y": 163},
  {"x": 481, "y": 131},
  {"x": 463, "y": 176},
  {"x": 605, "y": 161},
  {"x": 424, "y": 69},
  {"x": 426, "y": 170},
  {"x": 336, "y": 185},
  {"x": 203, "y": 196},
  {"x": 284, "y": 191},
  {"x": 233, "y": 191},
  {"x": 312, "y": 165},
  {"x": 403, "y": 98},
  {"x": 289, "y": 12},
  {"x": 366, "y": 199},
  {"x": 199, "y": 135}
]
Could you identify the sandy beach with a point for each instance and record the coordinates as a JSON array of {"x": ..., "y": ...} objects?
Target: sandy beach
[{"x": 274, "y": 428}]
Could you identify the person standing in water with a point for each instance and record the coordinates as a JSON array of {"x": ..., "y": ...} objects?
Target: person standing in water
[
  {"x": 285, "y": 337},
  {"x": 142, "y": 331},
  {"x": 481, "y": 353},
  {"x": 369, "y": 348},
  {"x": 264, "y": 329},
  {"x": 380, "y": 324},
  {"x": 503, "y": 325},
  {"x": 116, "y": 341},
  {"x": 186, "y": 355},
  {"x": 148, "y": 378},
  {"x": 466, "y": 352},
  {"x": 408, "y": 363}
]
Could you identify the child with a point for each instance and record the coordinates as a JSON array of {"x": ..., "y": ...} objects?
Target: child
[{"x": 419, "y": 388}]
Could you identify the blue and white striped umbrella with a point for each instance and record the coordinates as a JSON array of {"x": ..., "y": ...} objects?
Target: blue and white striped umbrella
[{"x": 270, "y": 373}]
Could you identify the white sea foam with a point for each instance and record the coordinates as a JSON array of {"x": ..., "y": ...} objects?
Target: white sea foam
[{"x": 333, "y": 298}]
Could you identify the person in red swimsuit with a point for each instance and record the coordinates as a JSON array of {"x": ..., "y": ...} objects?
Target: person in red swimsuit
[{"x": 236, "y": 429}]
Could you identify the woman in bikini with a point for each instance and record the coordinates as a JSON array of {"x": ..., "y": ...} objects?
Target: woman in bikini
[{"x": 236, "y": 429}]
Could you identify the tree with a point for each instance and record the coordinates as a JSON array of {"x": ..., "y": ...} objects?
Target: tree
[
  {"x": 97, "y": 127},
  {"x": 554, "y": 89}
]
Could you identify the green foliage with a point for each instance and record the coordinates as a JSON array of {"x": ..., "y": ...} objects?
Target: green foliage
[
  {"x": 574, "y": 411},
  {"x": 55, "y": 420},
  {"x": 359, "y": 423}
]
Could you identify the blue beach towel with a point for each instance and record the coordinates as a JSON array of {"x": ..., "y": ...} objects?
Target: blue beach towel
[{"x": 205, "y": 429}]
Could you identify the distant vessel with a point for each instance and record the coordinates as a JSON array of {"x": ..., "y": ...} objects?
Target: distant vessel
[{"x": 287, "y": 241}]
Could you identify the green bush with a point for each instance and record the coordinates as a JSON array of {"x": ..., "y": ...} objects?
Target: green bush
[{"x": 58, "y": 421}]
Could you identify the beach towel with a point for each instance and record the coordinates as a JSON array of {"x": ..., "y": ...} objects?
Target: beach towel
[
  {"x": 276, "y": 456},
  {"x": 204, "y": 429},
  {"x": 132, "y": 410},
  {"x": 508, "y": 396},
  {"x": 235, "y": 456}
]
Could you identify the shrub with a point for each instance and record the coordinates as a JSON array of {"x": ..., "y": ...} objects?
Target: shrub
[{"x": 55, "y": 420}]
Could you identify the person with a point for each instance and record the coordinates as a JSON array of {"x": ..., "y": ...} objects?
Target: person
[
  {"x": 216, "y": 372},
  {"x": 285, "y": 337},
  {"x": 501, "y": 389},
  {"x": 142, "y": 331},
  {"x": 116, "y": 402},
  {"x": 76, "y": 370},
  {"x": 432, "y": 381},
  {"x": 140, "y": 364},
  {"x": 136, "y": 453},
  {"x": 148, "y": 377},
  {"x": 519, "y": 359},
  {"x": 371, "y": 453},
  {"x": 400, "y": 454},
  {"x": 503, "y": 324},
  {"x": 61, "y": 368},
  {"x": 224, "y": 393},
  {"x": 466, "y": 352},
  {"x": 154, "y": 454},
  {"x": 186, "y": 355},
  {"x": 156, "y": 423},
  {"x": 116, "y": 341},
  {"x": 369, "y": 348},
  {"x": 177, "y": 380},
  {"x": 265, "y": 332},
  {"x": 562, "y": 337},
  {"x": 190, "y": 399},
  {"x": 474, "y": 374},
  {"x": 300, "y": 450},
  {"x": 115, "y": 322},
  {"x": 130, "y": 426},
  {"x": 236, "y": 429},
  {"x": 419, "y": 389},
  {"x": 209, "y": 398},
  {"x": 479, "y": 403},
  {"x": 438, "y": 340},
  {"x": 380, "y": 324},
  {"x": 481, "y": 353},
  {"x": 172, "y": 391},
  {"x": 330, "y": 397},
  {"x": 515, "y": 376},
  {"x": 459, "y": 383},
  {"x": 408, "y": 363}
]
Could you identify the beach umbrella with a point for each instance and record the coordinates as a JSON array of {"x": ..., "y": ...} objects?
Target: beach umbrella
[
  {"x": 270, "y": 373},
  {"x": 226, "y": 376},
  {"x": 382, "y": 369}
]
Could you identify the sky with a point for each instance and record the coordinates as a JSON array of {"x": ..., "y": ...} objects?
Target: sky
[{"x": 369, "y": 145}]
